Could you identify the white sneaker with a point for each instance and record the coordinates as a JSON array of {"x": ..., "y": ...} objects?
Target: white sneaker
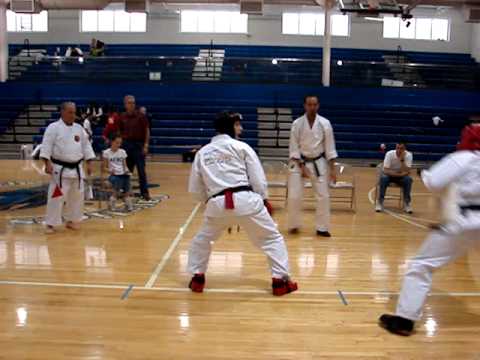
[
  {"x": 408, "y": 209},
  {"x": 379, "y": 207}
]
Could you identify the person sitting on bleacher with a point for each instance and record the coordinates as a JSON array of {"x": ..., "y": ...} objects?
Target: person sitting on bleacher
[
  {"x": 74, "y": 52},
  {"x": 97, "y": 48},
  {"x": 396, "y": 169}
]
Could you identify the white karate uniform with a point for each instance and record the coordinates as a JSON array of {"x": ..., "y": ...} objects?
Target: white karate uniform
[
  {"x": 68, "y": 144},
  {"x": 460, "y": 170},
  {"x": 223, "y": 164},
  {"x": 310, "y": 143}
]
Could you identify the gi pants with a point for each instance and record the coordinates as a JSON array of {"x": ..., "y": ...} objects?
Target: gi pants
[
  {"x": 440, "y": 248},
  {"x": 69, "y": 205},
  {"x": 320, "y": 189},
  {"x": 250, "y": 213}
]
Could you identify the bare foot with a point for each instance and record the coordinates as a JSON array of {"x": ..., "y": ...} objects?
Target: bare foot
[
  {"x": 72, "y": 226},
  {"x": 50, "y": 230}
]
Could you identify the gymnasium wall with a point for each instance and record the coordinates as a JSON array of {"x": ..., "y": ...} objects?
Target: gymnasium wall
[
  {"x": 476, "y": 41},
  {"x": 163, "y": 27}
]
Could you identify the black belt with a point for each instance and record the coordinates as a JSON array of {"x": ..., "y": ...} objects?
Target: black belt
[
  {"x": 233, "y": 190},
  {"x": 314, "y": 162},
  {"x": 68, "y": 165},
  {"x": 465, "y": 208}
]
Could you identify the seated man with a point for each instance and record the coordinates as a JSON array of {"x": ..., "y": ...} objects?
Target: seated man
[{"x": 396, "y": 169}]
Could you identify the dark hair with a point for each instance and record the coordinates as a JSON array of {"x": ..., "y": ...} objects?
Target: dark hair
[
  {"x": 114, "y": 136},
  {"x": 224, "y": 123},
  {"x": 309, "y": 96},
  {"x": 402, "y": 142}
]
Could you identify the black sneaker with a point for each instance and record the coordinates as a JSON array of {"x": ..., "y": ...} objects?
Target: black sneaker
[
  {"x": 324, "y": 233},
  {"x": 396, "y": 324}
]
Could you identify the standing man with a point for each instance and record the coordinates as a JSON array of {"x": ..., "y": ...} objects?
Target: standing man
[
  {"x": 136, "y": 137},
  {"x": 65, "y": 147},
  {"x": 396, "y": 169},
  {"x": 460, "y": 232},
  {"x": 312, "y": 156},
  {"x": 228, "y": 176}
]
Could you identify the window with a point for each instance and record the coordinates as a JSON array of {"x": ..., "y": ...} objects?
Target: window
[
  {"x": 113, "y": 21},
  {"x": 27, "y": 22},
  {"x": 213, "y": 22},
  {"x": 314, "y": 24},
  {"x": 419, "y": 28}
]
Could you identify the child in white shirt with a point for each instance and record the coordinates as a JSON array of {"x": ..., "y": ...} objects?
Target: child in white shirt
[{"x": 114, "y": 162}]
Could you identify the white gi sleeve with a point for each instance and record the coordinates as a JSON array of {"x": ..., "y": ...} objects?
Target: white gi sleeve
[
  {"x": 48, "y": 141},
  {"x": 330, "y": 148},
  {"x": 88, "y": 153},
  {"x": 294, "y": 147},
  {"x": 446, "y": 171},
  {"x": 256, "y": 175},
  {"x": 196, "y": 186}
]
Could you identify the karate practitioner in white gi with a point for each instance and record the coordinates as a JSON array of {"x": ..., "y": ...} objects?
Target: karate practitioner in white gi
[
  {"x": 459, "y": 171},
  {"x": 312, "y": 156},
  {"x": 229, "y": 177},
  {"x": 65, "y": 147}
]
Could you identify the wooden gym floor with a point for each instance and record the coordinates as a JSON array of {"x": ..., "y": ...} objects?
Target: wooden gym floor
[{"x": 116, "y": 289}]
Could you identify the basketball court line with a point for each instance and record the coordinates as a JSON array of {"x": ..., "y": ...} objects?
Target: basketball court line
[
  {"x": 397, "y": 216},
  {"x": 220, "y": 290},
  {"x": 158, "y": 269}
]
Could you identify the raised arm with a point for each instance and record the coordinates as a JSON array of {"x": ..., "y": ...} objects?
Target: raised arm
[{"x": 446, "y": 171}]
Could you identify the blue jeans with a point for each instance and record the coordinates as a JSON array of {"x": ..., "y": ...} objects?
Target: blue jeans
[
  {"x": 120, "y": 183},
  {"x": 136, "y": 158},
  {"x": 405, "y": 182}
]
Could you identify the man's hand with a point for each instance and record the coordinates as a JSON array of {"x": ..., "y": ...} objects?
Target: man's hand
[
  {"x": 48, "y": 167},
  {"x": 333, "y": 178},
  {"x": 145, "y": 149},
  {"x": 268, "y": 206},
  {"x": 89, "y": 168}
]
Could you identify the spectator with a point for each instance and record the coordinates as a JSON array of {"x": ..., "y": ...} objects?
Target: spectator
[
  {"x": 74, "y": 52},
  {"x": 136, "y": 135},
  {"x": 396, "y": 169},
  {"x": 144, "y": 111},
  {"x": 97, "y": 48},
  {"x": 94, "y": 113},
  {"x": 112, "y": 126}
]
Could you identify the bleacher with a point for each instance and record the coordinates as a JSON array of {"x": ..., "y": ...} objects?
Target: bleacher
[
  {"x": 253, "y": 64},
  {"x": 177, "y": 126},
  {"x": 359, "y": 130}
]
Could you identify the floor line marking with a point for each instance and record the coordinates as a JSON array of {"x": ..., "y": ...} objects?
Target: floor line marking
[
  {"x": 342, "y": 297},
  {"x": 223, "y": 291},
  {"x": 370, "y": 198},
  {"x": 158, "y": 269},
  {"x": 127, "y": 292}
]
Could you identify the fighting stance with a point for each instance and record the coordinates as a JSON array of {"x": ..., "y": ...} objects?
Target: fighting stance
[
  {"x": 312, "y": 156},
  {"x": 396, "y": 169},
  {"x": 460, "y": 231},
  {"x": 228, "y": 176},
  {"x": 65, "y": 147}
]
